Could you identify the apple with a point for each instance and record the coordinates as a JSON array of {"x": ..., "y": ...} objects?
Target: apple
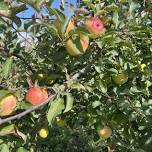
[
  {"x": 60, "y": 122},
  {"x": 7, "y": 105},
  {"x": 105, "y": 132},
  {"x": 36, "y": 95},
  {"x": 75, "y": 48},
  {"x": 43, "y": 133},
  {"x": 95, "y": 26},
  {"x": 69, "y": 27},
  {"x": 120, "y": 78}
]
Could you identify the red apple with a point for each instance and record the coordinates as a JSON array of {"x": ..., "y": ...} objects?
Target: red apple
[
  {"x": 95, "y": 26},
  {"x": 36, "y": 95}
]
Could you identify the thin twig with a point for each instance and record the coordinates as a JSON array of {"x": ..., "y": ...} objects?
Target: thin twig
[
  {"x": 22, "y": 114},
  {"x": 16, "y": 30}
]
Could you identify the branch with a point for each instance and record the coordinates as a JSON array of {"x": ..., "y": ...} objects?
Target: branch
[
  {"x": 22, "y": 114},
  {"x": 88, "y": 67},
  {"x": 16, "y": 30}
]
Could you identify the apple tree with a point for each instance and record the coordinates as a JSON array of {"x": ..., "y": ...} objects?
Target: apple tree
[{"x": 76, "y": 83}]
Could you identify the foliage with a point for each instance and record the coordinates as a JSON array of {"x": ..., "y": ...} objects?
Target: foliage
[{"x": 87, "y": 96}]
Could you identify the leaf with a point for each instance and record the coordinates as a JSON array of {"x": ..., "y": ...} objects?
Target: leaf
[
  {"x": 17, "y": 21},
  {"x": 19, "y": 134},
  {"x": 21, "y": 149},
  {"x": 50, "y": 26},
  {"x": 65, "y": 24},
  {"x": 69, "y": 102},
  {"x": 139, "y": 150},
  {"x": 55, "y": 109},
  {"x": 59, "y": 15},
  {"x": 7, "y": 130},
  {"x": 116, "y": 18},
  {"x": 102, "y": 86},
  {"x": 4, "y": 148},
  {"x": 133, "y": 6},
  {"x": 3, "y": 93},
  {"x": 96, "y": 104},
  {"x": 3, "y": 6},
  {"x": 6, "y": 69}
]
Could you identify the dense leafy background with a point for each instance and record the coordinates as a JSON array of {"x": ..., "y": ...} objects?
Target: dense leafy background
[{"x": 94, "y": 97}]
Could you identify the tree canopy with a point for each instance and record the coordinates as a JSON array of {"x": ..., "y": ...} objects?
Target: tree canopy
[{"x": 93, "y": 71}]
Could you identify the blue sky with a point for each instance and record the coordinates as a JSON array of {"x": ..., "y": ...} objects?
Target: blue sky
[{"x": 56, "y": 3}]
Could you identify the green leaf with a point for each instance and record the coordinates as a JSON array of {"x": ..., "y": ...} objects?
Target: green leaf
[
  {"x": 102, "y": 86},
  {"x": 69, "y": 102},
  {"x": 7, "y": 67},
  {"x": 4, "y": 148},
  {"x": 3, "y": 6},
  {"x": 50, "y": 26},
  {"x": 7, "y": 130},
  {"x": 59, "y": 15},
  {"x": 96, "y": 104},
  {"x": 133, "y": 7},
  {"x": 3, "y": 93},
  {"x": 21, "y": 149},
  {"x": 65, "y": 24},
  {"x": 139, "y": 150},
  {"x": 55, "y": 109},
  {"x": 116, "y": 18}
]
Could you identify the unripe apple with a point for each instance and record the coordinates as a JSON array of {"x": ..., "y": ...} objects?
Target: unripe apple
[
  {"x": 105, "y": 132},
  {"x": 60, "y": 122},
  {"x": 43, "y": 133},
  {"x": 95, "y": 26},
  {"x": 77, "y": 47},
  {"x": 7, "y": 105},
  {"x": 120, "y": 78},
  {"x": 36, "y": 95}
]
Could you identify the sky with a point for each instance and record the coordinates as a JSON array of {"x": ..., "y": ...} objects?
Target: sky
[{"x": 29, "y": 12}]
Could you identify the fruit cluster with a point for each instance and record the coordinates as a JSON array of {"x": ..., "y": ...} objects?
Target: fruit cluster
[
  {"x": 76, "y": 43},
  {"x": 8, "y": 101}
]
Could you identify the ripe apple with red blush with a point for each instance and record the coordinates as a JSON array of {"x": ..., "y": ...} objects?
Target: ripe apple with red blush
[
  {"x": 36, "y": 95},
  {"x": 95, "y": 26}
]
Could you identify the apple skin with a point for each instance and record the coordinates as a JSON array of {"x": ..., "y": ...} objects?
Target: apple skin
[
  {"x": 36, "y": 95},
  {"x": 43, "y": 133},
  {"x": 120, "y": 78},
  {"x": 70, "y": 27},
  {"x": 95, "y": 26},
  {"x": 105, "y": 132},
  {"x": 7, "y": 105},
  {"x": 73, "y": 49}
]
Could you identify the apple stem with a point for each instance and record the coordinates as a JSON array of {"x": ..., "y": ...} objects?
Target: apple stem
[
  {"x": 29, "y": 81},
  {"x": 36, "y": 83}
]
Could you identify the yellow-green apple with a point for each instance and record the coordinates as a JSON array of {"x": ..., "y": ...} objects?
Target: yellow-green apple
[
  {"x": 69, "y": 27},
  {"x": 105, "y": 132},
  {"x": 78, "y": 46},
  {"x": 120, "y": 78}
]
